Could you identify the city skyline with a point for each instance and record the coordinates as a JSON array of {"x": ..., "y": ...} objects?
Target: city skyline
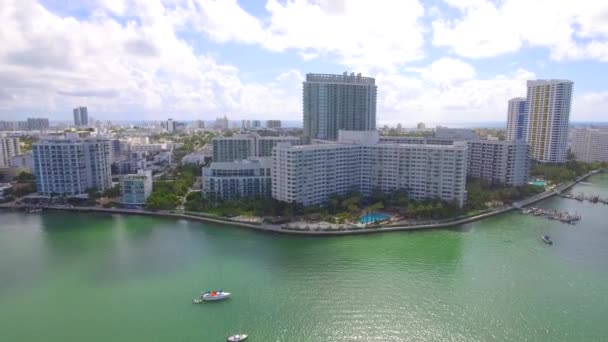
[{"x": 441, "y": 62}]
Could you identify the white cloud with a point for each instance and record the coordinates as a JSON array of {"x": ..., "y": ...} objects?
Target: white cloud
[
  {"x": 50, "y": 64},
  {"x": 360, "y": 34},
  {"x": 591, "y": 106},
  {"x": 412, "y": 100},
  {"x": 488, "y": 28},
  {"x": 446, "y": 71}
]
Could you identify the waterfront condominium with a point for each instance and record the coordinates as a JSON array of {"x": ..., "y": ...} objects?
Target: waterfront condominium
[
  {"x": 499, "y": 162},
  {"x": 311, "y": 174},
  {"x": 548, "y": 111},
  {"x": 338, "y": 102},
  {"x": 136, "y": 188},
  {"x": 517, "y": 119},
  {"x": 37, "y": 124},
  {"x": 273, "y": 124},
  {"x": 590, "y": 145},
  {"x": 81, "y": 116},
  {"x": 9, "y": 147},
  {"x": 69, "y": 164},
  {"x": 243, "y": 146},
  {"x": 249, "y": 178}
]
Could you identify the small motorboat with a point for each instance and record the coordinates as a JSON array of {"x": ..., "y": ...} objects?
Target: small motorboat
[
  {"x": 236, "y": 338},
  {"x": 547, "y": 239},
  {"x": 34, "y": 211},
  {"x": 214, "y": 295}
]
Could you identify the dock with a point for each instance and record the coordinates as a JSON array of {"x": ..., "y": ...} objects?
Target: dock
[
  {"x": 562, "y": 216},
  {"x": 584, "y": 197}
]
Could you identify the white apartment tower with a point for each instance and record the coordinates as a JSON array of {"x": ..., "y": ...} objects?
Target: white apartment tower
[
  {"x": 517, "y": 119},
  {"x": 311, "y": 174},
  {"x": 69, "y": 165},
  {"x": 9, "y": 147},
  {"x": 590, "y": 145},
  {"x": 499, "y": 162},
  {"x": 338, "y": 102},
  {"x": 548, "y": 114}
]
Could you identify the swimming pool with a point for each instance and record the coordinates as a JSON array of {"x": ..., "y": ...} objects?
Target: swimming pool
[
  {"x": 538, "y": 183},
  {"x": 373, "y": 217}
]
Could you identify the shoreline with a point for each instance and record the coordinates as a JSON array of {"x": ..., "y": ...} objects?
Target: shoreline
[{"x": 335, "y": 232}]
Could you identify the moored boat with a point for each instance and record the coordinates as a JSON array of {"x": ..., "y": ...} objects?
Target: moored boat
[
  {"x": 237, "y": 338},
  {"x": 547, "y": 239},
  {"x": 34, "y": 211},
  {"x": 215, "y": 295}
]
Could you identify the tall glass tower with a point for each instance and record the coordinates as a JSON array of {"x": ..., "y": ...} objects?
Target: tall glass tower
[{"x": 338, "y": 102}]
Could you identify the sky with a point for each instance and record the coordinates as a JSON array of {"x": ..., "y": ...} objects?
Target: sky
[{"x": 435, "y": 61}]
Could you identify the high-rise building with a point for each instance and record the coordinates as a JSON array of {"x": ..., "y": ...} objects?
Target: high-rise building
[
  {"x": 256, "y": 124},
  {"x": 81, "y": 116},
  {"x": 221, "y": 123},
  {"x": 517, "y": 119},
  {"x": 499, "y": 162},
  {"x": 243, "y": 146},
  {"x": 548, "y": 104},
  {"x": 245, "y": 124},
  {"x": 421, "y": 126},
  {"x": 590, "y": 145},
  {"x": 338, "y": 102},
  {"x": 311, "y": 174},
  {"x": 136, "y": 188},
  {"x": 9, "y": 147},
  {"x": 273, "y": 123},
  {"x": 37, "y": 124},
  {"x": 69, "y": 165},
  {"x": 249, "y": 178},
  {"x": 170, "y": 125}
]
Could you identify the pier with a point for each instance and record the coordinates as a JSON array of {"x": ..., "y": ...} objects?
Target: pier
[
  {"x": 583, "y": 197},
  {"x": 562, "y": 216}
]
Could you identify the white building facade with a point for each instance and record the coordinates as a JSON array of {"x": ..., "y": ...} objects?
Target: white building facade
[
  {"x": 499, "y": 162},
  {"x": 590, "y": 145},
  {"x": 249, "y": 178},
  {"x": 136, "y": 188},
  {"x": 243, "y": 146},
  {"x": 9, "y": 147},
  {"x": 69, "y": 165},
  {"x": 311, "y": 174}
]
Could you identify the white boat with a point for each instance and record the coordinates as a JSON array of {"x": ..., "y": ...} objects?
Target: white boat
[
  {"x": 236, "y": 338},
  {"x": 215, "y": 295},
  {"x": 34, "y": 211}
]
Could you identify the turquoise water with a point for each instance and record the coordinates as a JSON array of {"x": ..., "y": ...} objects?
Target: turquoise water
[
  {"x": 97, "y": 278},
  {"x": 373, "y": 217},
  {"x": 538, "y": 183}
]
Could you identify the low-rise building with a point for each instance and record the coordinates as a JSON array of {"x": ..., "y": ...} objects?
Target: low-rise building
[
  {"x": 24, "y": 161},
  {"x": 455, "y": 133},
  {"x": 128, "y": 166},
  {"x": 243, "y": 146},
  {"x": 249, "y": 178},
  {"x": 499, "y": 162},
  {"x": 590, "y": 145},
  {"x": 195, "y": 158},
  {"x": 136, "y": 188}
]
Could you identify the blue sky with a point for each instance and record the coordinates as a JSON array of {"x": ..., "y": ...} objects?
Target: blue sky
[{"x": 452, "y": 61}]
